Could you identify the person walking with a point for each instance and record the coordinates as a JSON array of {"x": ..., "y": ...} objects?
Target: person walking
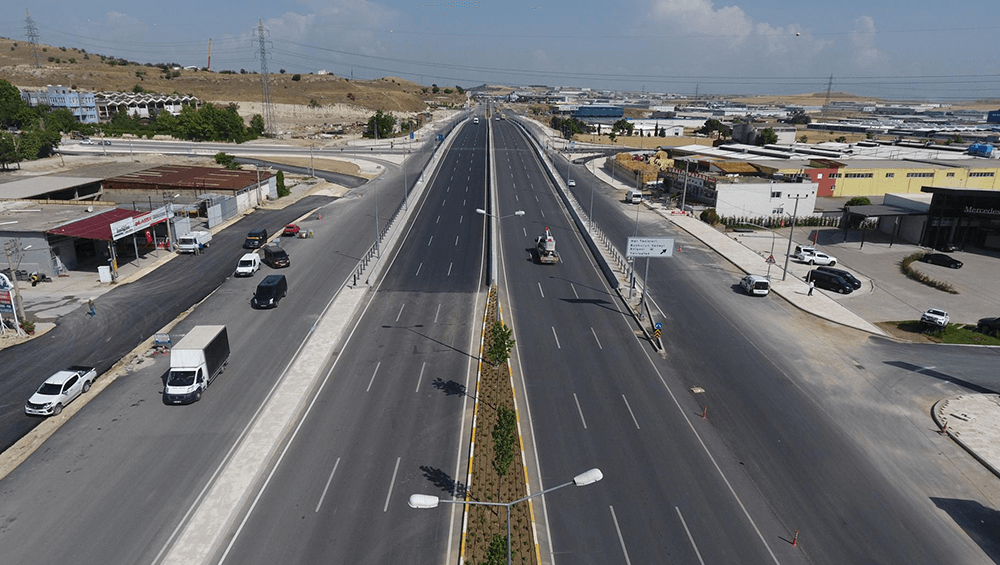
[
  {"x": 92, "y": 312},
  {"x": 811, "y": 286}
]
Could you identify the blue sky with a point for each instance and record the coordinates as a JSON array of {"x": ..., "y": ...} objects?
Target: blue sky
[{"x": 888, "y": 48}]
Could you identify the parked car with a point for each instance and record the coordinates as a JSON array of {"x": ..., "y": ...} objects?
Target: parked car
[
  {"x": 934, "y": 317},
  {"x": 829, "y": 281},
  {"x": 846, "y": 275},
  {"x": 276, "y": 257},
  {"x": 255, "y": 239},
  {"x": 59, "y": 390},
  {"x": 988, "y": 326},
  {"x": 571, "y": 182},
  {"x": 942, "y": 259},
  {"x": 755, "y": 285},
  {"x": 292, "y": 230},
  {"x": 817, "y": 258},
  {"x": 947, "y": 247},
  {"x": 248, "y": 265}
]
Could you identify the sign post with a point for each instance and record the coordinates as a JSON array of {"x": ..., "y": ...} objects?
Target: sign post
[{"x": 648, "y": 247}]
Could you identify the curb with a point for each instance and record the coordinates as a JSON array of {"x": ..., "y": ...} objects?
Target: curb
[{"x": 937, "y": 413}]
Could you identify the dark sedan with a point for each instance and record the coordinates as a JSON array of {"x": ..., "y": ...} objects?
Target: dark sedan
[
  {"x": 989, "y": 326},
  {"x": 942, "y": 259}
]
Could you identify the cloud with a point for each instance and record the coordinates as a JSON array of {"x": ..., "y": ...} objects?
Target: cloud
[{"x": 862, "y": 43}]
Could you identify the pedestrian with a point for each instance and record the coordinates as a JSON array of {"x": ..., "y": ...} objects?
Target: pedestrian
[
  {"x": 811, "y": 286},
  {"x": 92, "y": 312}
]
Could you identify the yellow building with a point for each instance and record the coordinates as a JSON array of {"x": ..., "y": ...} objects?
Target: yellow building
[{"x": 876, "y": 177}]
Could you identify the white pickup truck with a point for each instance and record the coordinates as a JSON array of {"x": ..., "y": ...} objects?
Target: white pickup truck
[{"x": 59, "y": 390}]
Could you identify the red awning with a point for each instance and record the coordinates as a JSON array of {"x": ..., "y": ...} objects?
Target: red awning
[{"x": 95, "y": 227}]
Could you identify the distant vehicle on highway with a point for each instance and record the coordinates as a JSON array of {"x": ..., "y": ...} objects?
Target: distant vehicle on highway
[
  {"x": 59, "y": 390},
  {"x": 934, "y": 317},
  {"x": 104, "y": 142},
  {"x": 942, "y": 259},
  {"x": 571, "y": 183},
  {"x": 87, "y": 141}
]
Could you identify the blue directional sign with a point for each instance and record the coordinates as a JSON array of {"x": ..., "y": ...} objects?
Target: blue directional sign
[{"x": 658, "y": 325}]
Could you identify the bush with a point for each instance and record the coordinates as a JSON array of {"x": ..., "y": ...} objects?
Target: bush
[
  {"x": 859, "y": 201},
  {"x": 296, "y": 77},
  {"x": 906, "y": 265},
  {"x": 280, "y": 182},
  {"x": 710, "y": 216}
]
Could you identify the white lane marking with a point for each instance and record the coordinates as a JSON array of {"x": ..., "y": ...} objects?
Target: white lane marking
[
  {"x": 525, "y": 231},
  {"x": 327, "y": 487},
  {"x": 437, "y": 220},
  {"x": 536, "y": 198},
  {"x": 690, "y": 537},
  {"x": 436, "y": 313},
  {"x": 516, "y": 198},
  {"x": 467, "y": 189},
  {"x": 460, "y": 218},
  {"x": 429, "y": 241},
  {"x": 596, "y": 338},
  {"x": 557, "y": 337},
  {"x": 621, "y": 540},
  {"x": 375, "y": 372},
  {"x": 448, "y": 189},
  {"x": 400, "y": 311},
  {"x": 456, "y": 240},
  {"x": 636, "y": 422},
  {"x": 580, "y": 410},
  {"x": 388, "y": 495},
  {"x": 452, "y": 177},
  {"x": 572, "y": 286},
  {"x": 449, "y": 268},
  {"x": 463, "y": 202},
  {"x": 540, "y": 291},
  {"x": 418, "y": 270},
  {"x": 542, "y": 212},
  {"x": 443, "y": 201},
  {"x": 421, "y": 376}
]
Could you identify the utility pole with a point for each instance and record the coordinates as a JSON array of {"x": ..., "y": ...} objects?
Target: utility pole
[
  {"x": 12, "y": 248},
  {"x": 264, "y": 88},
  {"x": 31, "y": 30},
  {"x": 791, "y": 232},
  {"x": 687, "y": 164}
]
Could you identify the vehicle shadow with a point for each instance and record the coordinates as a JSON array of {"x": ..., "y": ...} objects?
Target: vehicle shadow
[
  {"x": 979, "y": 522},
  {"x": 443, "y": 481},
  {"x": 595, "y": 301}
]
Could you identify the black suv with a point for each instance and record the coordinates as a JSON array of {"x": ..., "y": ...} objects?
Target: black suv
[
  {"x": 989, "y": 326},
  {"x": 829, "y": 281},
  {"x": 847, "y": 276}
]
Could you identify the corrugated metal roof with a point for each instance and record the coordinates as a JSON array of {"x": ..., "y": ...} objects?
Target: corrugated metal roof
[{"x": 95, "y": 227}]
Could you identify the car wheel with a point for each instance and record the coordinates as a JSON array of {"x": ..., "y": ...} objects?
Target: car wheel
[
  {"x": 86, "y": 386},
  {"x": 840, "y": 290},
  {"x": 57, "y": 410},
  {"x": 197, "y": 396},
  {"x": 833, "y": 263}
]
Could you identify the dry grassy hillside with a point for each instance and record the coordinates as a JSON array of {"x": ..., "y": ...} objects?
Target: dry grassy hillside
[{"x": 89, "y": 71}]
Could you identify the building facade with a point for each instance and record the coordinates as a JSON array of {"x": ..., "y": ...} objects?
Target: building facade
[{"x": 83, "y": 105}]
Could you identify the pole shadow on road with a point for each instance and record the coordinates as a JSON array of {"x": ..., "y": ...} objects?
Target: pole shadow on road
[
  {"x": 940, "y": 376},
  {"x": 443, "y": 481},
  {"x": 425, "y": 336}
]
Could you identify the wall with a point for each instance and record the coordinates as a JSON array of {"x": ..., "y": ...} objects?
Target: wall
[{"x": 756, "y": 200}]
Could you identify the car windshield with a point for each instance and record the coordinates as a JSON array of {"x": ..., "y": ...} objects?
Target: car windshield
[
  {"x": 49, "y": 389},
  {"x": 933, "y": 312},
  {"x": 265, "y": 292},
  {"x": 180, "y": 378},
  {"x": 246, "y": 263}
]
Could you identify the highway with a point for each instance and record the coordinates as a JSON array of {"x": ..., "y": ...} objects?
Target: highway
[
  {"x": 127, "y": 466},
  {"x": 394, "y": 418},
  {"x": 768, "y": 372}
]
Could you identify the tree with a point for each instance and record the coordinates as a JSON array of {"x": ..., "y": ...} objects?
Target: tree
[
  {"x": 280, "y": 185},
  {"x": 803, "y": 138},
  {"x": 226, "y": 160},
  {"x": 257, "y": 125},
  {"x": 459, "y": 90},
  {"x": 710, "y": 216},
  {"x": 623, "y": 126},
  {"x": 841, "y": 139},
  {"x": 296, "y": 77},
  {"x": 381, "y": 124},
  {"x": 501, "y": 344},
  {"x": 859, "y": 201},
  {"x": 435, "y": 89},
  {"x": 60, "y": 119},
  {"x": 767, "y": 137}
]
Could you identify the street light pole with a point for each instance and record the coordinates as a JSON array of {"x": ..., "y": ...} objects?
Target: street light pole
[
  {"x": 431, "y": 501},
  {"x": 169, "y": 201},
  {"x": 13, "y": 247},
  {"x": 795, "y": 213}
]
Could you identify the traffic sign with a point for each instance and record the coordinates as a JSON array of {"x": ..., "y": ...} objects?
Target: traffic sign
[
  {"x": 658, "y": 325},
  {"x": 650, "y": 247},
  {"x": 771, "y": 260}
]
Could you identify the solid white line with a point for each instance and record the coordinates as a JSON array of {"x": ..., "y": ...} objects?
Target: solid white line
[
  {"x": 392, "y": 482},
  {"x": 572, "y": 286},
  {"x": 403, "y": 305},
  {"x": 557, "y": 337},
  {"x": 686, "y": 530},
  {"x": 636, "y": 422},
  {"x": 449, "y": 268},
  {"x": 327, "y": 487},
  {"x": 437, "y": 313},
  {"x": 456, "y": 241},
  {"x": 417, "y": 274},
  {"x": 595, "y": 337},
  {"x": 377, "y": 365},
  {"x": 429, "y": 241},
  {"x": 422, "y": 367},
  {"x": 540, "y": 291},
  {"x": 621, "y": 540},
  {"x": 580, "y": 410}
]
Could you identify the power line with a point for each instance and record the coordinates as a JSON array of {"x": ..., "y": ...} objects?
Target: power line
[
  {"x": 31, "y": 30},
  {"x": 265, "y": 89}
]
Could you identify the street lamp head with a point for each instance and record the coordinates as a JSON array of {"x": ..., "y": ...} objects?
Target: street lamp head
[
  {"x": 519, "y": 213},
  {"x": 423, "y": 501},
  {"x": 587, "y": 478},
  {"x": 481, "y": 211}
]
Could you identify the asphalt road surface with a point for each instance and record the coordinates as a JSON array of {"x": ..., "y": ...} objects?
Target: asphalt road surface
[{"x": 392, "y": 419}]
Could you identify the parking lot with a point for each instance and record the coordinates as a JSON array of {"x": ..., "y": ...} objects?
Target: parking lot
[{"x": 886, "y": 293}]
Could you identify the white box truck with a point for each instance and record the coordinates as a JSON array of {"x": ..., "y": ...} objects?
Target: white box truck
[
  {"x": 193, "y": 242},
  {"x": 195, "y": 362}
]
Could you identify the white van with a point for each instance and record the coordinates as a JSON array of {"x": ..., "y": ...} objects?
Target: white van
[
  {"x": 633, "y": 196},
  {"x": 475, "y": 120},
  {"x": 756, "y": 285}
]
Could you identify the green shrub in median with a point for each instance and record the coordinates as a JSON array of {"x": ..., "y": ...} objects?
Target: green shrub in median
[{"x": 907, "y": 267}]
